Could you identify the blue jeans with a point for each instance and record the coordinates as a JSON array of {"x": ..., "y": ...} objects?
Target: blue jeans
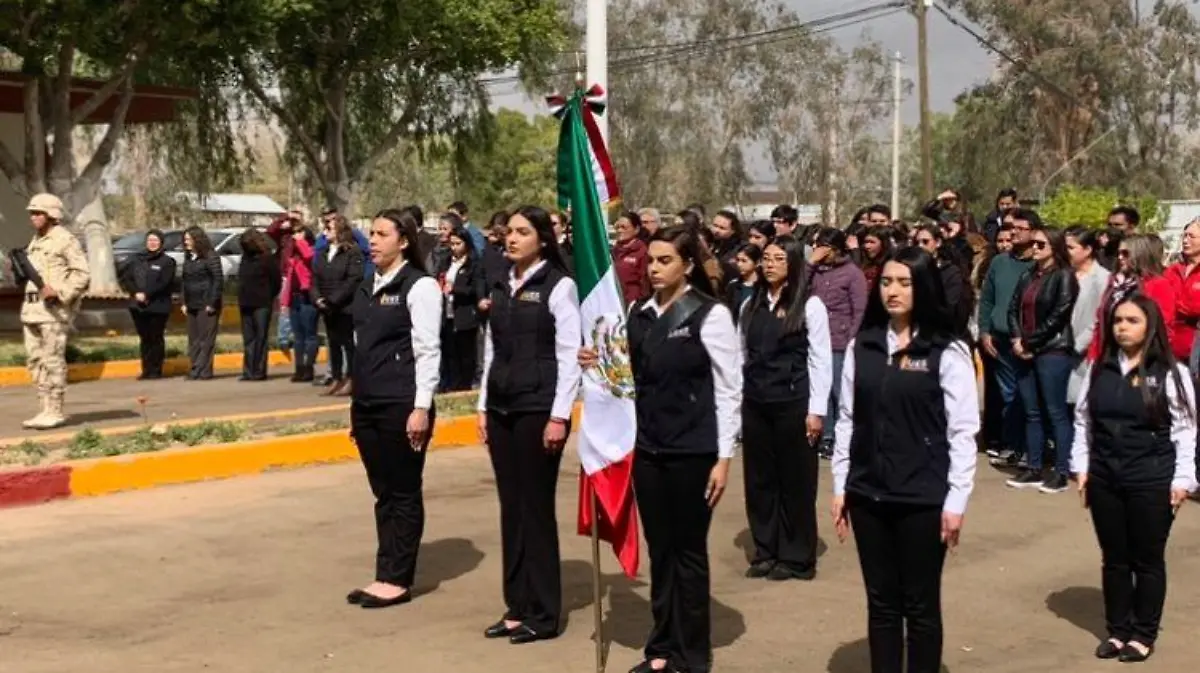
[
  {"x": 1004, "y": 369},
  {"x": 839, "y": 357},
  {"x": 304, "y": 330},
  {"x": 1043, "y": 386}
]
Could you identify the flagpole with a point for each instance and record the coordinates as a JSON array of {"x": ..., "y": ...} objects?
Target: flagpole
[
  {"x": 597, "y": 56},
  {"x": 598, "y": 610}
]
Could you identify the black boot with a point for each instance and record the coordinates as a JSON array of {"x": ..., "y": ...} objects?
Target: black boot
[{"x": 306, "y": 375}]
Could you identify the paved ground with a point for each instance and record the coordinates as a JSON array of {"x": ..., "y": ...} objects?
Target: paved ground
[
  {"x": 102, "y": 404},
  {"x": 248, "y": 575}
]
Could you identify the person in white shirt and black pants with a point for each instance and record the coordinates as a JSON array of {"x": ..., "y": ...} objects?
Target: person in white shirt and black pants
[
  {"x": 687, "y": 370},
  {"x": 530, "y": 379},
  {"x": 397, "y": 316},
  {"x": 1134, "y": 458},
  {"x": 904, "y": 459},
  {"x": 786, "y": 379}
]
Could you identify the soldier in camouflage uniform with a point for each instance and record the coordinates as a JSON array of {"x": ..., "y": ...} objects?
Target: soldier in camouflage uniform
[{"x": 48, "y": 313}]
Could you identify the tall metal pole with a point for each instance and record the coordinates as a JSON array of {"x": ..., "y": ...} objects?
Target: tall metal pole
[
  {"x": 896, "y": 85},
  {"x": 923, "y": 86},
  {"x": 597, "y": 56}
]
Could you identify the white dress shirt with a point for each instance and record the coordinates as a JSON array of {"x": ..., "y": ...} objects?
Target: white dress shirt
[
  {"x": 332, "y": 251},
  {"x": 425, "y": 308},
  {"x": 1183, "y": 426},
  {"x": 724, "y": 350},
  {"x": 820, "y": 351},
  {"x": 961, "y": 399},
  {"x": 568, "y": 337}
]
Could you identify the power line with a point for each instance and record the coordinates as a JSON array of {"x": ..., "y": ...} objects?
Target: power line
[
  {"x": 1019, "y": 63},
  {"x": 687, "y": 50}
]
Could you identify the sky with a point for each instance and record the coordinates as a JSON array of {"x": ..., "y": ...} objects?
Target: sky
[{"x": 956, "y": 61}]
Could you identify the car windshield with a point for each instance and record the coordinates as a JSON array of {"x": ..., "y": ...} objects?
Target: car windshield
[{"x": 136, "y": 242}]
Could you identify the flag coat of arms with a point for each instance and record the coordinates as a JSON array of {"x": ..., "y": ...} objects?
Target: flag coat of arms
[{"x": 587, "y": 186}]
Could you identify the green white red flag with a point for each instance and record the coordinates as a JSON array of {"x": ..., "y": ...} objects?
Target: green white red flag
[{"x": 587, "y": 185}]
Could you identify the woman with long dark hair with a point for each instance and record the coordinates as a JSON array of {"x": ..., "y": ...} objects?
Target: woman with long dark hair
[
  {"x": 876, "y": 245},
  {"x": 153, "y": 276},
  {"x": 530, "y": 378},
  {"x": 959, "y": 297},
  {"x": 203, "y": 287},
  {"x": 1134, "y": 458},
  {"x": 904, "y": 461},
  {"x": 786, "y": 379},
  {"x": 339, "y": 272},
  {"x": 687, "y": 374},
  {"x": 760, "y": 233},
  {"x": 397, "y": 315},
  {"x": 1082, "y": 247},
  {"x": 259, "y": 282},
  {"x": 741, "y": 288},
  {"x": 1039, "y": 320},
  {"x": 463, "y": 286}
]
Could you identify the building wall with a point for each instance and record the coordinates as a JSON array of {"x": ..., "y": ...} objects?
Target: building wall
[{"x": 14, "y": 223}]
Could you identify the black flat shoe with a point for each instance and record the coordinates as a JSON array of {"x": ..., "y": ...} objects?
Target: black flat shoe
[
  {"x": 372, "y": 602},
  {"x": 355, "y": 597},
  {"x": 523, "y": 635},
  {"x": 1131, "y": 655},
  {"x": 645, "y": 667},
  {"x": 760, "y": 569},
  {"x": 498, "y": 630},
  {"x": 782, "y": 572},
  {"x": 1108, "y": 649}
]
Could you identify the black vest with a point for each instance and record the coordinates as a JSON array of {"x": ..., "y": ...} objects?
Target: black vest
[
  {"x": 524, "y": 370},
  {"x": 1131, "y": 442},
  {"x": 776, "y": 367},
  {"x": 899, "y": 450},
  {"x": 672, "y": 374},
  {"x": 385, "y": 368}
]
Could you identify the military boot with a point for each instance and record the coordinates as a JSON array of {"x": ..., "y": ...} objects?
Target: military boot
[
  {"x": 54, "y": 414},
  {"x": 35, "y": 422}
]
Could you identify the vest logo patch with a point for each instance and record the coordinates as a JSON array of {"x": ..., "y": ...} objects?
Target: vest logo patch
[
  {"x": 680, "y": 333},
  {"x": 156, "y": 267},
  {"x": 914, "y": 364},
  {"x": 389, "y": 300},
  {"x": 532, "y": 296},
  {"x": 1149, "y": 382}
]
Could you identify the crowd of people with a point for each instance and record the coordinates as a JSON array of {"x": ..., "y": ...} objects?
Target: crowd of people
[{"x": 790, "y": 341}]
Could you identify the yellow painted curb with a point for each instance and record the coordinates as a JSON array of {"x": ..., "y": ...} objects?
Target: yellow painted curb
[
  {"x": 131, "y": 369},
  {"x": 147, "y": 470}
]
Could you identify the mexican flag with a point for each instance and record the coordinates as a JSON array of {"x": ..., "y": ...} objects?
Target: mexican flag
[{"x": 588, "y": 186}]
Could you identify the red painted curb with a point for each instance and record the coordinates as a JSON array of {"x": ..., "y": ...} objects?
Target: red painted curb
[{"x": 40, "y": 484}]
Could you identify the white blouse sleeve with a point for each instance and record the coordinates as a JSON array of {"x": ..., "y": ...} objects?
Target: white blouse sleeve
[{"x": 724, "y": 350}]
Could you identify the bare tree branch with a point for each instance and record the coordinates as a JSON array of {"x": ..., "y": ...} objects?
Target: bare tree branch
[
  {"x": 89, "y": 178},
  {"x": 61, "y": 159},
  {"x": 101, "y": 95},
  {"x": 284, "y": 115}
]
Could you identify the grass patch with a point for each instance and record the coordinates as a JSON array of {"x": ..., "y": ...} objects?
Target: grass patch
[
  {"x": 27, "y": 452},
  {"x": 89, "y": 443},
  {"x": 308, "y": 428},
  {"x": 121, "y": 347}
]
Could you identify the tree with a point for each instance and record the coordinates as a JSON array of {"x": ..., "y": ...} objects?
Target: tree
[
  {"x": 349, "y": 80},
  {"x": 1073, "y": 205},
  {"x": 517, "y": 167}
]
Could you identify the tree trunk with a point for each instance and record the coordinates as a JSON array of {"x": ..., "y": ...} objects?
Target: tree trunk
[{"x": 92, "y": 221}]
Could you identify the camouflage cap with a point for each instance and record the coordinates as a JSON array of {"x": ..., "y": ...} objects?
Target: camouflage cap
[{"x": 48, "y": 204}]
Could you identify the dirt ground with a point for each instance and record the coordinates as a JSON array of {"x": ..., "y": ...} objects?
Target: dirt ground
[{"x": 249, "y": 575}]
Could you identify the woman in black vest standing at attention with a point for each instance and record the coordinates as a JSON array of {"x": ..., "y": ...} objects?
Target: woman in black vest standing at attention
[
  {"x": 530, "y": 379},
  {"x": 153, "y": 279},
  {"x": 904, "y": 459},
  {"x": 786, "y": 381},
  {"x": 397, "y": 318},
  {"x": 687, "y": 370},
  {"x": 1134, "y": 458}
]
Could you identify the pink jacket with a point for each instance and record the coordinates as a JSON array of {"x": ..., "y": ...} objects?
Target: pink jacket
[{"x": 297, "y": 271}]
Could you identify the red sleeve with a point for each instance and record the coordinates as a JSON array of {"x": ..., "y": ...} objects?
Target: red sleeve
[
  {"x": 1162, "y": 291},
  {"x": 1187, "y": 300},
  {"x": 275, "y": 230},
  {"x": 304, "y": 249},
  {"x": 1093, "y": 353}
]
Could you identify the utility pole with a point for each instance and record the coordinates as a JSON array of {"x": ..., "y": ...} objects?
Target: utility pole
[
  {"x": 896, "y": 85},
  {"x": 923, "y": 86},
  {"x": 597, "y": 57}
]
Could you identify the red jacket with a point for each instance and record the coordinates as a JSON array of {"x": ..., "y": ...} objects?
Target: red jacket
[
  {"x": 1187, "y": 308},
  {"x": 1160, "y": 290},
  {"x": 630, "y": 260}
]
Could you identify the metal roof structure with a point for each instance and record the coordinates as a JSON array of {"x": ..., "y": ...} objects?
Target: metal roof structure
[{"x": 233, "y": 204}]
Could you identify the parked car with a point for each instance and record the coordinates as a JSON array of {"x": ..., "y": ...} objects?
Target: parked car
[{"x": 226, "y": 242}]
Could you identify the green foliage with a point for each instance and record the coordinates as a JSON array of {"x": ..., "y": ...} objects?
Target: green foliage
[
  {"x": 518, "y": 167},
  {"x": 89, "y": 443},
  {"x": 28, "y": 452},
  {"x": 1073, "y": 205}
]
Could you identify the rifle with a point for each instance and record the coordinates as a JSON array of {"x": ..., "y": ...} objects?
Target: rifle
[{"x": 24, "y": 271}]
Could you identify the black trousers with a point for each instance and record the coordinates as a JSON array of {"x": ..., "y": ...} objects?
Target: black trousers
[
  {"x": 152, "y": 343},
  {"x": 339, "y": 331},
  {"x": 901, "y": 553},
  {"x": 675, "y": 519},
  {"x": 394, "y": 471},
  {"x": 458, "y": 356},
  {"x": 781, "y": 471},
  {"x": 526, "y": 479},
  {"x": 1132, "y": 526},
  {"x": 202, "y": 341},
  {"x": 256, "y": 323}
]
